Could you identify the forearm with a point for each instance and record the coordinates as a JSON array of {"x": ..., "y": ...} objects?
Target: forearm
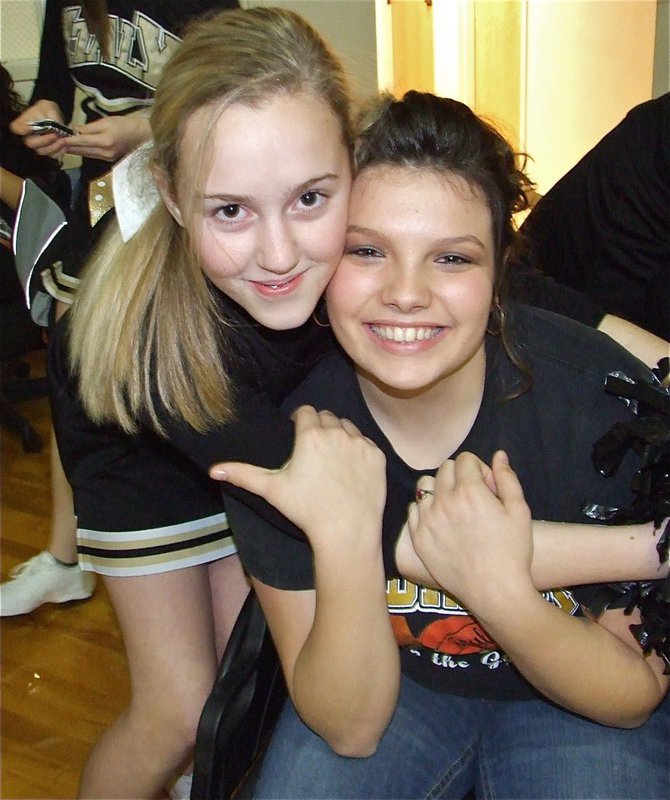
[
  {"x": 10, "y": 187},
  {"x": 646, "y": 346},
  {"x": 569, "y": 554},
  {"x": 346, "y": 677},
  {"x": 575, "y": 662}
]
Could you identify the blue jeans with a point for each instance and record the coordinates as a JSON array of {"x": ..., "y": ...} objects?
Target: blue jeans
[{"x": 442, "y": 746}]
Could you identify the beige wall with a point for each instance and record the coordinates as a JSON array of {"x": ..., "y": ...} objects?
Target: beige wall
[
  {"x": 20, "y": 34},
  {"x": 555, "y": 75},
  {"x": 498, "y": 64},
  {"x": 348, "y": 26},
  {"x": 662, "y": 49},
  {"x": 412, "y": 25},
  {"x": 587, "y": 64}
]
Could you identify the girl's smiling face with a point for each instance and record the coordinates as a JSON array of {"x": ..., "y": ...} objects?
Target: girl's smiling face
[
  {"x": 271, "y": 218},
  {"x": 411, "y": 298}
]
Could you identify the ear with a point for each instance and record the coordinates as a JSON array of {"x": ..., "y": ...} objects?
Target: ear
[{"x": 166, "y": 195}]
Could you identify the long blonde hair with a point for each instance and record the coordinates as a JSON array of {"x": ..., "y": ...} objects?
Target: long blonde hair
[{"x": 145, "y": 323}]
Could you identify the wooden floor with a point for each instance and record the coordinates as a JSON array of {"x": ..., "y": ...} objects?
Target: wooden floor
[{"x": 64, "y": 674}]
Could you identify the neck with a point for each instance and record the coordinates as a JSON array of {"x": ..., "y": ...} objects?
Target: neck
[{"x": 426, "y": 427}]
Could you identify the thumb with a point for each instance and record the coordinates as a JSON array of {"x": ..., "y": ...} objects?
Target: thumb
[
  {"x": 507, "y": 483},
  {"x": 246, "y": 476}
]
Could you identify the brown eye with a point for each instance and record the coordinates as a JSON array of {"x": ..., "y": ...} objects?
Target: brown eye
[
  {"x": 309, "y": 198},
  {"x": 364, "y": 252},
  {"x": 231, "y": 211}
]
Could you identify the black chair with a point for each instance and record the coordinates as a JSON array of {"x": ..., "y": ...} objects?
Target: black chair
[{"x": 241, "y": 711}]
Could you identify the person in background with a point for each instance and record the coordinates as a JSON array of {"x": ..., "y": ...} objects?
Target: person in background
[
  {"x": 462, "y": 677},
  {"x": 603, "y": 228},
  {"x": 67, "y": 581},
  {"x": 106, "y": 56}
]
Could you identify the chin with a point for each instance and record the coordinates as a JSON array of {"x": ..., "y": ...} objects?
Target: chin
[
  {"x": 397, "y": 384},
  {"x": 282, "y": 319}
]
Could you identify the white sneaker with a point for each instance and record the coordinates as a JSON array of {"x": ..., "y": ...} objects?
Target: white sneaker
[
  {"x": 42, "y": 579},
  {"x": 182, "y": 787}
]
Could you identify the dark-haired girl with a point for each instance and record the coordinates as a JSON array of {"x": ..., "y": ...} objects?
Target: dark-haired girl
[{"x": 459, "y": 676}]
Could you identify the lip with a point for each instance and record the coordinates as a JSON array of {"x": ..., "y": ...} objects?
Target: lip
[
  {"x": 279, "y": 288},
  {"x": 410, "y": 339}
]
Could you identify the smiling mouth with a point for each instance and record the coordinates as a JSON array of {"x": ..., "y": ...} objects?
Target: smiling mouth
[
  {"x": 394, "y": 333},
  {"x": 277, "y": 287}
]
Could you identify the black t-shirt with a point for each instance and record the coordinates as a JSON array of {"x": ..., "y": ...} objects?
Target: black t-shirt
[
  {"x": 604, "y": 228},
  {"x": 139, "y": 471},
  {"x": 548, "y": 432}
]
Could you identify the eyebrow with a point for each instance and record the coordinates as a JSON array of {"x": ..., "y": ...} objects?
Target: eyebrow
[
  {"x": 447, "y": 241},
  {"x": 241, "y": 199}
]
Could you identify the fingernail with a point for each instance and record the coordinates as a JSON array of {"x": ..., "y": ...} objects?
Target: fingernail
[{"x": 219, "y": 473}]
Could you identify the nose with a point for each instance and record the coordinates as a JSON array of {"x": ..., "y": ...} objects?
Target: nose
[
  {"x": 278, "y": 252},
  {"x": 407, "y": 287}
]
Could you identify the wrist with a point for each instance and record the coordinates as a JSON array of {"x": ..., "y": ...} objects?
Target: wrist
[
  {"x": 338, "y": 542},
  {"x": 662, "y": 545},
  {"x": 490, "y": 604}
]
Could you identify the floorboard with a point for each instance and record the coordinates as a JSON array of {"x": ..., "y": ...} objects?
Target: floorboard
[{"x": 64, "y": 676}]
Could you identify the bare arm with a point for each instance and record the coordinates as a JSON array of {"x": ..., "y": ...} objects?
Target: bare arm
[
  {"x": 646, "y": 346},
  {"x": 10, "y": 187},
  {"x": 596, "y": 669},
  {"x": 484, "y": 565},
  {"x": 336, "y": 645},
  {"x": 569, "y": 554}
]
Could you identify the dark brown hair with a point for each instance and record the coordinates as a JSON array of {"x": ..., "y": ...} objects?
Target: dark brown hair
[{"x": 96, "y": 15}]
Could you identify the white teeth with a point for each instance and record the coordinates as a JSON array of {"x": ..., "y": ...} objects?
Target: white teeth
[{"x": 396, "y": 334}]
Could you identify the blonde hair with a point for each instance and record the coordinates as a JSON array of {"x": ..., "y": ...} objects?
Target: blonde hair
[{"x": 145, "y": 325}]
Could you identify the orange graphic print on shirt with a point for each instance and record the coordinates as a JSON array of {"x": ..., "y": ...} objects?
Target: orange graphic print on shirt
[
  {"x": 452, "y": 635},
  {"x": 427, "y": 618}
]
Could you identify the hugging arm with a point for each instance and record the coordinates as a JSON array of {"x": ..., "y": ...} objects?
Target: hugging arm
[
  {"x": 596, "y": 669},
  {"x": 646, "y": 346},
  {"x": 568, "y": 554},
  {"x": 335, "y": 642},
  {"x": 563, "y": 554}
]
